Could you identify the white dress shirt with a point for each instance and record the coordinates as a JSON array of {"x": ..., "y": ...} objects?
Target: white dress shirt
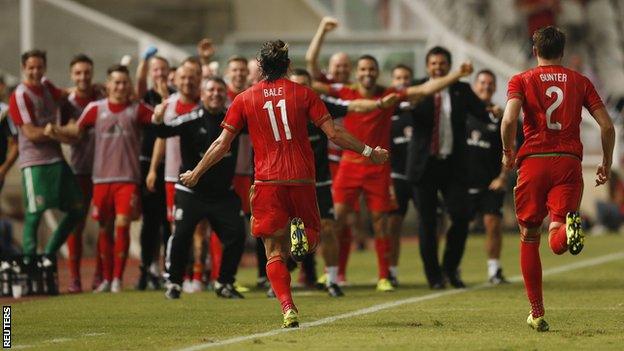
[{"x": 446, "y": 127}]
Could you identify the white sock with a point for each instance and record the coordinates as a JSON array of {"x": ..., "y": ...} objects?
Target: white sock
[
  {"x": 394, "y": 270},
  {"x": 153, "y": 268},
  {"x": 493, "y": 266},
  {"x": 332, "y": 274}
]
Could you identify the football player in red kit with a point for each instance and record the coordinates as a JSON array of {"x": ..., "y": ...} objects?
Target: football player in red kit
[
  {"x": 276, "y": 112},
  {"x": 550, "y": 180},
  {"x": 356, "y": 174},
  {"x": 117, "y": 122}
]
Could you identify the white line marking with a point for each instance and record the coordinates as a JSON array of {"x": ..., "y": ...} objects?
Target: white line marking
[
  {"x": 384, "y": 306},
  {"x": 59, "y": 340},
  {"x": 55, "y": 341},
  {"x": 93, "y": 334}
]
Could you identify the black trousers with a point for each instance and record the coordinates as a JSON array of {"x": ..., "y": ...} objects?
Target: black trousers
[
  {"x": 439, "y": 176},
  {"x": 226, "y": 219},
  {"x": 155, "y": 228}
]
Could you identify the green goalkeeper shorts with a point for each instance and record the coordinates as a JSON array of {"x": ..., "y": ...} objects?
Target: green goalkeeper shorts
[{"x": 50, "y": 186}]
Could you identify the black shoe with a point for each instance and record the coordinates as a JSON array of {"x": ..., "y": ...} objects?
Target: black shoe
[
  {"x": 227, "y": 291},
  {"x": 270, "y": 293},
  {"x": 393, "y": 280},
  {"x": 498, "y": 278},
  {"x": 455, "y": 280},
  {"x": 437, "y": 286},
  {"x": 173, "y": 291},
  {"x": 334, "y": 290},
  {"x": 142, "y": 283}
]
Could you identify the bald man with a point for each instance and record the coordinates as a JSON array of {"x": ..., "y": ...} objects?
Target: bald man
[{"x": 339, "y": 68}]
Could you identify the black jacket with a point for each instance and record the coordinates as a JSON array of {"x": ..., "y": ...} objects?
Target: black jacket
[
  {"x": 198, "y": 129},
  {"x": 463, "y": 102}
]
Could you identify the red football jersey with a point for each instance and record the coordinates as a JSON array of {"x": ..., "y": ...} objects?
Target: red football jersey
[
  {"x": 277, "y": 115},
  {"x": 552, "y": 101},
  {"x": 372, "y": 128}
]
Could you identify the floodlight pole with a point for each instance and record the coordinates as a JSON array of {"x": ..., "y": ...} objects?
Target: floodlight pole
[{"x": 27, "y": 23}]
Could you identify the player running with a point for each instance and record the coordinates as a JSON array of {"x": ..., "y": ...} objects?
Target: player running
[
  {"x": 356, "y": 175},
  {"x": 550, "y": 180},
  {"x": 276, "y": 112}
]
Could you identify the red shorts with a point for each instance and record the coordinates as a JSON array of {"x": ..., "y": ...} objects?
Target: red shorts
[
  {"x": 86, "y": 187},
  {"x": 551, "y": 185},
  {"x": 272, "y": 205},
  {"x": 110, "y": 199},
  {"x": 372, "y": 180},
  {"x": 170, "y": 199},
  {"x": 242, "y": 184}
]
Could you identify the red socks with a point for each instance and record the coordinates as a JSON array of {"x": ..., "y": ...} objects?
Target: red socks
[
  {"x": 216, "y": 253},
  {"x": 98, "y": 259},
  {"x": 198, "y": 270},
  {"x": 344, "y": 250},
  {"x": 74, "y": 246},
  {"x": 122, "y": 244},
  {"x": 532, "y": 273},
  {"x": 382, "y": 245},
  {"x": 558, "y": 240},
  {"x": 278, "y": 275},
  {"x": 105, "y": 243}
]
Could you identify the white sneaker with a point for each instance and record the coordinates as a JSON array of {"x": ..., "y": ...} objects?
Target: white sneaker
[
  {"x": 116, "y": 286},
  {"x": 197, "y": 286},
  {"x": 187, "y": 286},
  {"x": 105, "y": 286}
]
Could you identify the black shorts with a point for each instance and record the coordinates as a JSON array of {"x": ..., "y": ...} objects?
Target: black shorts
[
  {"x": 403, "y": 192},
  {"x": 484, "y": 201},
  {"x": 325, "y": 202}
]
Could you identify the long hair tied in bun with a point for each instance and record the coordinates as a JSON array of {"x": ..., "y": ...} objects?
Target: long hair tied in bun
[{"x": 273, "y": 60}]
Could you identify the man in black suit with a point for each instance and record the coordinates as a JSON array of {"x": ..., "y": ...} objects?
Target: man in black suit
[{"x": 437, "y": 163}]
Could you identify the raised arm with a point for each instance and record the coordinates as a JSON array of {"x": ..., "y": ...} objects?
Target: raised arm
[
  {"x": 416, "y": 93},
  {"x": 142, "y": 68},
  {"x": 508, "y": 131},
  {"x": 327, "y": 25},
  {"x": 607, "y": 136},
  {"x": 342, "y": 138},
  {"x": 215, "y": 153}
]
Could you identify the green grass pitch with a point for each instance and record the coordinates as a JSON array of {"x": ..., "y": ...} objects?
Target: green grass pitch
[{"x": 584, "y": 306}]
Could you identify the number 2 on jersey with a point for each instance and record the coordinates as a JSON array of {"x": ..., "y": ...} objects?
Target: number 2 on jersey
[
  {"x": 553, "y": 107},
  {"x": 282, "y": 106}
]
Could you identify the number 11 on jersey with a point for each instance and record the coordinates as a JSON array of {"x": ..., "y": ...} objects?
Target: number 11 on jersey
[{"x": 282, "y": 106}]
